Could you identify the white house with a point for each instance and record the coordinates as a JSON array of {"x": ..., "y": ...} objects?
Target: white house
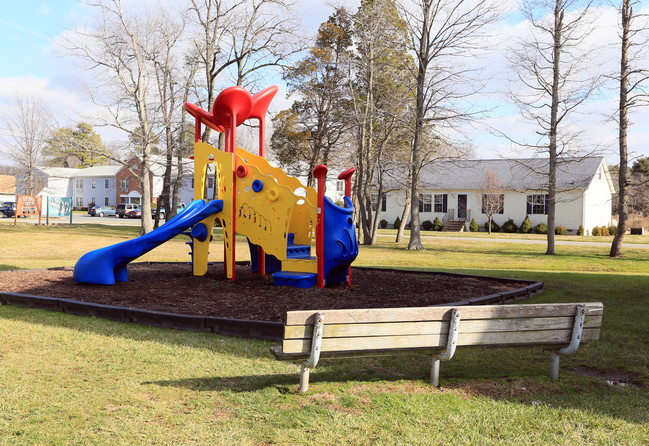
[
  {"x": 90, "y": 185},
  {"x": 456, "y": 190}
]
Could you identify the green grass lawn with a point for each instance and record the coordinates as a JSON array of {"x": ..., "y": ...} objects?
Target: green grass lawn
[{"x": 77, "y": 380}]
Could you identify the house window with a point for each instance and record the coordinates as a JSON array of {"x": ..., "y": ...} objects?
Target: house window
[
  {"x": 537, "y": 204},
  {"x": 124, "y": 184},
  {"x": 106, "y": 183},
  {"x": 106, "y": 201},
  {"x": 78, "y": 201},
  {"x": 92, "y": 201},
  {"x": 439, "y": 203},
  {"x": 375, "y": 202},
  {"x": 425, "y": 202},
  {"x": 94, "y": 183},
  {"x": 340, "y": 186},
  {"x": 78, "y": 184},
  {"x": 493, "y": 204}
]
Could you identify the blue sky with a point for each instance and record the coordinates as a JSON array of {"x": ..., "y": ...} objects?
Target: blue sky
[
  {"x": 26, "y": 30},
  {"x": 31, "y": 63}
]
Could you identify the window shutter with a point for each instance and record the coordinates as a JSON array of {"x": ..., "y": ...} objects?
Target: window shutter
[
  {"x": 445, "y": 203},
  {"x": 546, "y": 204},
  {"x": 383, "y": 203},
  {"x": 501, "y": 204},
  {"x": 529, "y": 205},
  {"x": 421, "y": 203},
  {"x": 484, "y": 203}
]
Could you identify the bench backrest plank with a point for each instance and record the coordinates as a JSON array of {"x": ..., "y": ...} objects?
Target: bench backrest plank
[
  {"x": 441, "y": 313},
  {"x": 427, "y": 327}
]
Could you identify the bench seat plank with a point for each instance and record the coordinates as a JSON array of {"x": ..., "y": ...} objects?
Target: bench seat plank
[
  {"x": 440, "y": 313},
  {"x": 508, "y": 338},
  {"x": 441, "y": 327}
]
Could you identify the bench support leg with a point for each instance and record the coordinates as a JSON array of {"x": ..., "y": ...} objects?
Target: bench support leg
[
  {"x": 304, "y": 378},
  {"x": 575, "y": 339},
  {"x": 316, "y": 347},
  {"x": 434, "y": 372},
  {"x": 451, "y": 343}
]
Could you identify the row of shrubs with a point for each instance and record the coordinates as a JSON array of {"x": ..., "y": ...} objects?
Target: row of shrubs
[{"x": 510, "y": 227}]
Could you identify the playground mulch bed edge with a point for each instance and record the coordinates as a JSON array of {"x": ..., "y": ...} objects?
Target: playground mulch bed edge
[{"x": 168, "y": 295}]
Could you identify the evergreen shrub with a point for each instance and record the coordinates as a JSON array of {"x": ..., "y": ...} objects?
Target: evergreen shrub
[
  {"x": 509, "y": 226},
  {"x": 427, "y": 225},
  {"x": 560, "y": 230},
  {"x": 474, "y": 227},
  {"x": 494, "y": 226}
]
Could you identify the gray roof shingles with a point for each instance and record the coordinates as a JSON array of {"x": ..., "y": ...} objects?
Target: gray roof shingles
[{"x": 514, "y": 174}]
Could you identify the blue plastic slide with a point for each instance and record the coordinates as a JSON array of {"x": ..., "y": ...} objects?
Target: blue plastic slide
[{"x": 105, "y": 266}]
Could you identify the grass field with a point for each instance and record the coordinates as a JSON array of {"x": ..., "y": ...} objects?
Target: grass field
[{"x": 76, "y": 380}]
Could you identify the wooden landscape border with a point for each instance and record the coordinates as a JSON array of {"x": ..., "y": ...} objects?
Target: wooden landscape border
[{"x": 266, "y": 330}]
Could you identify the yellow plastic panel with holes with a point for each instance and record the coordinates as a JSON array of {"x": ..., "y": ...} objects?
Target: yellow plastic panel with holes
[
  {"x": 223, "y": 164},
  {"x": 304, "y": 214},
  {"x": 264, "y": 216}
]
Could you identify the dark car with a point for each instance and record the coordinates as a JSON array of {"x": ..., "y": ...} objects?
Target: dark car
[
  {"x": 101, "y": 211},
  {"x": 125, "y": 208},
  {"x": 8, "y": 209}
]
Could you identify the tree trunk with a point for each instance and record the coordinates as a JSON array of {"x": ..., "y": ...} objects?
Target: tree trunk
[
  {"x": 423, "y": 55},
  {"x": 623, "y": 206},
  {"x": 404, "y": 218},
  {"x": 552, "y": 175},
  {"x": 406, "y": 207}
]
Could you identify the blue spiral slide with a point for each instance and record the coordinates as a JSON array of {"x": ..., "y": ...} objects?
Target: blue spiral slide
[{"x": 105, "y": 266}]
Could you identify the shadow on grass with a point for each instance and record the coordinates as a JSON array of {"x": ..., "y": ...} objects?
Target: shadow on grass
[
  {"x": 489, "y": 373},
  {"x": 571, "y": 392}
]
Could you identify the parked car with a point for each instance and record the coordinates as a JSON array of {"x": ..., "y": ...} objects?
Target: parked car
[
  {"x": 135, "y": 213},
  {"x": 122, "y": 209},
  {"x": 8, "y": 209},
  {"x": 101, "y": 211}
]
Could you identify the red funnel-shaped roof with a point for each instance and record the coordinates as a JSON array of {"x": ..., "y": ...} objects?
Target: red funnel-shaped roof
[
  {"x": 232, "y": 101},
  {"x": 261, "y": 101}
]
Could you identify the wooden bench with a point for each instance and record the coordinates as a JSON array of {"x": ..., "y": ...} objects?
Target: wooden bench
[{"x": 311, "y": 335}]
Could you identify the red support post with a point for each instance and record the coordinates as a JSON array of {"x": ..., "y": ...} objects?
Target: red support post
[
  {"x": 347, "y": 176},
  {"x": 320, "y": 172},
  {"x": 197, "y": 131}
]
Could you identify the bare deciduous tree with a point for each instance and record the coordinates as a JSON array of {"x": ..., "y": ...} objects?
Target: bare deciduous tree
[
  {"x": 632, "y": 93},
  {"x": 552, "y": 68},
  {"x": 382, "y": 101},
  {"x": 115, "y": 46},
  {"x": 240, "y": 39},
  {"x": 492, "y": 196},
  {"x": 29, "y": 123},
  {"x": 442, "y": 34}
]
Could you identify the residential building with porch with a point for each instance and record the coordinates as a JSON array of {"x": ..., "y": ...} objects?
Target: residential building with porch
[{"x": 458, "y": 191}]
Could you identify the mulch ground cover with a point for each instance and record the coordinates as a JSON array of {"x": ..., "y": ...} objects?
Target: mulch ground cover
[{"x": 171, "y": 287}]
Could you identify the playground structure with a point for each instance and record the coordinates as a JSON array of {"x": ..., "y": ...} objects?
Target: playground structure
[{"x": 280, "y": 217}]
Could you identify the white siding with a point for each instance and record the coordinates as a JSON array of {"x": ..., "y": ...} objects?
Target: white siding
[
  {"x": 569, "y": 208},
  {"x": 598, "y": 201}
]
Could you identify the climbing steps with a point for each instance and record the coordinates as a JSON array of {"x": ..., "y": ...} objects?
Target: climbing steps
[{"x": 299, "y": 269}]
